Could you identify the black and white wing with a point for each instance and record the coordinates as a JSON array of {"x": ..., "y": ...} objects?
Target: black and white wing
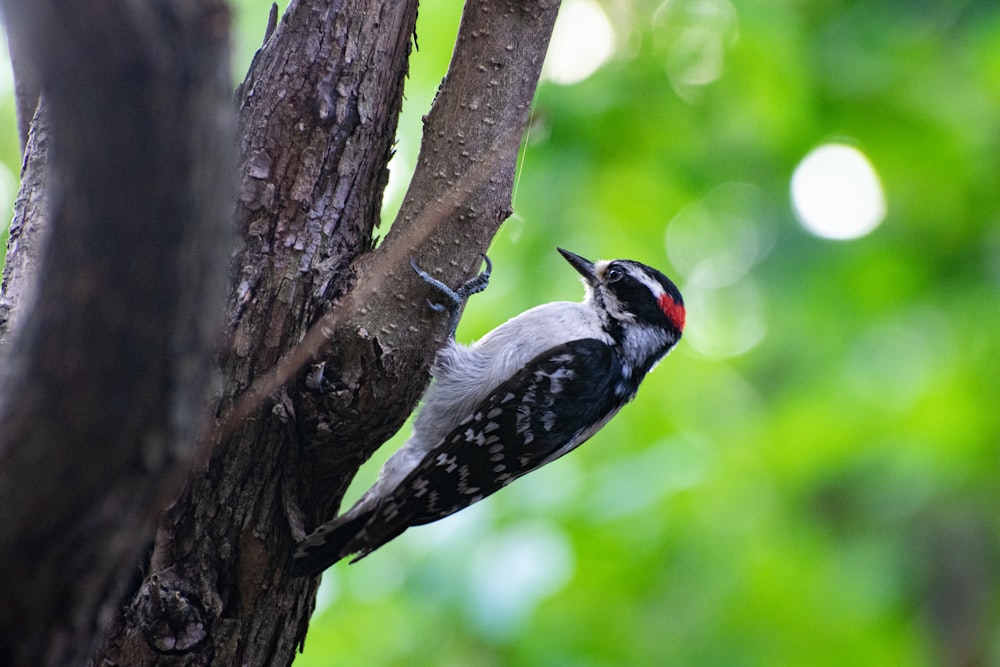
[{"x": 549, "y": 407}]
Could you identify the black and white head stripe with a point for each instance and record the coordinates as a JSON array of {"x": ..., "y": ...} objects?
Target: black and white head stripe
[
  {"x": 643, "y": 291},
  {"x": 640, "y": 293}
]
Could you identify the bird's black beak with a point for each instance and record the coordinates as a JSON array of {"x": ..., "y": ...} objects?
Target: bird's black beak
[{"x": 583, "y": 266}]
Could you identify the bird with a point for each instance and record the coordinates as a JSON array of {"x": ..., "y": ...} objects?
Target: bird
[{"x": 525, "y": 394}]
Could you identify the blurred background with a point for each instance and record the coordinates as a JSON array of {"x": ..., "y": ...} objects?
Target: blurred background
[{"x": 813, "y": 476}]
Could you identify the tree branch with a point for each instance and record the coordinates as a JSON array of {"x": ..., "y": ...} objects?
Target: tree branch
[
  {"x": 318, "y": 117},
  {"x": 106, "y": 377},
  {"x": 26, "y": 233},
  {"x": 457, "y": 199}
]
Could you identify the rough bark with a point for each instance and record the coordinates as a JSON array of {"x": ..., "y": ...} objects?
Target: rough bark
[
  {"x": 105, "y": 381},
  {"x": 26, "y": 234},
  {"x": 328, "y": 341}
]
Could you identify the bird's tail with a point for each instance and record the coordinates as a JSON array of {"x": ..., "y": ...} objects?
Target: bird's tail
[{"x": 328, "y": 544}]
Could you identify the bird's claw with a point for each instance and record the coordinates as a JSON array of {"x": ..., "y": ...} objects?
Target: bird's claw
[{"x": 455, "y": 297}]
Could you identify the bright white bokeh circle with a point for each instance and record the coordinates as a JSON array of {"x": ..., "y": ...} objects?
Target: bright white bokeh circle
[
  {"x": 836, "y": 193},
  {"x": 582, "y": 41}
]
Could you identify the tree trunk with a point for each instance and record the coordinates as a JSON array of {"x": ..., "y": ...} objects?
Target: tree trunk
[{"x": 327, "y": 341}]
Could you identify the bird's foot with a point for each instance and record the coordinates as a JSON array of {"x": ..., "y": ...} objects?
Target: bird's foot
[{"x": 456, "y": 297}]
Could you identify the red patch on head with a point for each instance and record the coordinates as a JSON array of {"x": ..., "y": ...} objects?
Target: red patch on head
[{"x": 674, "y": 311}]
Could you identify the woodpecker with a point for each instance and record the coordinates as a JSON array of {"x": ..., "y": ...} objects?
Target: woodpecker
[{"x": 528, "y": 392}]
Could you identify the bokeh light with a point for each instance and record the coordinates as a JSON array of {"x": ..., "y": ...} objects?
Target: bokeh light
[
  {"x": 714, "y": 244},
  {"x": 697, "y": 33},
  {"x": 582, "y": 41},
  {"x": 836, "y": 193},
  {"x": 717, "y": 240},
  {"x": 724, "y": 322},
  {"x": 514, "y": 570}
]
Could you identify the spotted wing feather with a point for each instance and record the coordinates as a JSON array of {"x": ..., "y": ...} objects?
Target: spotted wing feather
[{"x": 543, "y": 411}]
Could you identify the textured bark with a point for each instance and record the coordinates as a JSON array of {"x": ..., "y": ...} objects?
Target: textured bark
[
  {"x": 26, "y": 234},
  {"x": 105, "y": 379},
  {"x": 328, "y": 341}
]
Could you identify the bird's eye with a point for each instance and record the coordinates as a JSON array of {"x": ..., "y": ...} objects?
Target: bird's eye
[{"x": 614, "y": 274}]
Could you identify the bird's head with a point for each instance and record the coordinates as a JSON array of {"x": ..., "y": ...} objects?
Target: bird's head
[{"x": 634, "y": 300}]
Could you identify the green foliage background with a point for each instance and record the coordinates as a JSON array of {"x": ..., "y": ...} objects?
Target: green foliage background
[{"x": 813, "y": 476}]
